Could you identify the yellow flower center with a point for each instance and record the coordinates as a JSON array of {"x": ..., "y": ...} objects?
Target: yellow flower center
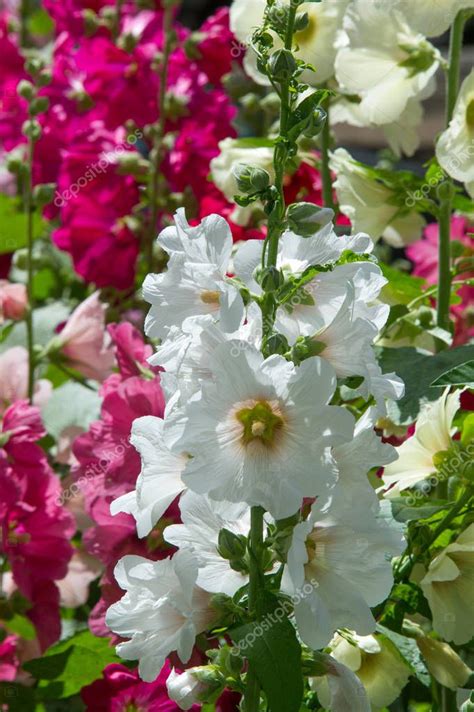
[
  {"x": 259, "y": 423},
  {"x": 209, "y": 297},
  {"x": 470, "y": 114},
  {"x": 308, "y": 35}
]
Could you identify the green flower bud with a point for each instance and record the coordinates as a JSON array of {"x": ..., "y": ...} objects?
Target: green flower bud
[
  {"x": 44, "y": 78},
  {"x": 39, "y": 105},
  {"x": 91, "y": 21},
  {"x": 276, "y": 344},
  {"x": 127, "y": 42},
  {"x": 282, "y": 65},
  {"x": 270, "y": 279},
  {"x": 316, "y": 123},
  {"x": 250, "y": 179},
  {"x": 31, "y": 129},
  {"x": 231, "y": 546},
  {"x": 301, "y": 21},
  {"x": 34, "y": 65},
  {"x": 43, "y": 194},
  {"x": 26, "y": 90},
  {"x": 306, "y": 218},
  {"x": 277, "y": 16}
]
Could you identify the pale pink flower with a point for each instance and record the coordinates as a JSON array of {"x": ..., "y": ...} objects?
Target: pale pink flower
[
  {"x": 14, "y": 379},
  {"x": 84, "y": 341},
  {"x": 13, "y": 301}
]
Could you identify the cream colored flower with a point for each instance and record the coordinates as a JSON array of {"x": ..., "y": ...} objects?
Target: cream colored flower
[
  {"x": 455, "y": 147},
  {"x": 369, "y": 206},
  {"x": 433, "y": 434},
  {"x": 376, "y": 662},
  {"x": 449, "y": 586},
  {"x": 443, "y": 662},
  {"x": 383, "y": 60},
  {"x": 432, "y": 17}
]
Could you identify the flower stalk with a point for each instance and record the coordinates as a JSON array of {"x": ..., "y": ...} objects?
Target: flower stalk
[
  {"x": 28, "y": 206},
  {"x": 444, "y": 248},
  {"x": 159, "y": 132}
]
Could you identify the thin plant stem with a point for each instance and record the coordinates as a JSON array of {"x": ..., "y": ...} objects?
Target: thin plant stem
[
  {"x": 444, "y": 248},
  {"x": 160, "y": 132},
  {"x": 325, "y": 170},
  {"x": 29, "y": 319},
  {"x": 252, "y": 691}
]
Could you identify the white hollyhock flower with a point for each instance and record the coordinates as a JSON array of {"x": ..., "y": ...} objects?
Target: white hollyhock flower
[
  {"x": 448, "y": 587},
  {"x": 208, "y": 243},
  {"x": 314, "y": 45},
  {"x": 443, "y": 663},
  {"x": 376, "y": 662},
  {"x": 184, "y": 688},
  {"x": 159, "y": 481},
  {"x": 187, "y": 352},
  {"x": 189, "y": 290},
  {"x": 433, "y": 433},
  {"x": 340, "y": 690},
  {"x": 455, "y": 147},
  {"x": 383, "y": 60},
  {"x": 256, "y": 422},
  {"x": 233, "y": 152},
  {"x": 356, "y": 458},
  {"x": 432, "y": 17},
  {"x": 340, "y": 554},
  {"x": 369, "y": 206},
  {"x": 402, "y": 136},
  {"x": 161, "y": 612},
  {"x": 203, "y": 519},
  {"x": 296, "y": 254}
]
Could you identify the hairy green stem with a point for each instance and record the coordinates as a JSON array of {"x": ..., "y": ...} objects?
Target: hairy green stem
[
  {"x": 28, "y": 207},
  {"x": 444, "y": 248},
  {"x": 325, "y": 170},
  {"x": 160, "y": 133},
  {"x": 252, "y": 691}
]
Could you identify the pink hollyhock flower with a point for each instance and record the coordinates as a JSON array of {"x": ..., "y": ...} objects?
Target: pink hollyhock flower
[
  {"x": 215, "y": 47},
  {"x": 13, "y": 300},
  {"x": 14, "y": 379},
  {"x": 74, "y": 587},
  {"x": 94, "y": 201},
  {"x": 85, "y": 342},
  {"x": 424, "y": 255},
  {"x": 121, "y": 689},
  {"x": 12, "y": 109},
  {"x": 36, "y": 530},
  {"x": 130, "y": 350},
  {"x": 9, "y": 662}
]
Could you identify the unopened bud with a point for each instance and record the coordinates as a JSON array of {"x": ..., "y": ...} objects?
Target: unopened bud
[
  {"x": 31, "y": 129},
  {"x": 316, "y": 123},
  {"x": 282, "y": 65},
  {"x": 306, "y": 218},
  {"x": 250, "y": 179},
  {"x": 25, "y": 89},
  {"x": 301, "y": 21},
  {"x": 270, "y": 279},
  {"x": 39, "y": 105},
  {"x": 231, "y": 546},
  {"x": 43, "y": 194},
  {"x": 276, "y": 344}
]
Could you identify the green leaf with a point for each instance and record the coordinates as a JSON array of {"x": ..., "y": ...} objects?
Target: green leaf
[
  {"x": 274, "y": 653},
  {"x": 462, "y": 375},
  {"x": 253, "y": 142},
  {"x": 402, "y": 288},
  {"x": 5, "y": 331},
  {"x": 418, "y": 370},
  {"x": 70, "y": 665},
  {"x": 468, "y": 430},
  {"x": 14, "y": 225},
  {"x": 403, "y": 512},
  {"x": 410, "y": 653},
  {"x": 20, "y": 625},
  {"x": 40, "y": 23},
  {"x": 58, "y": 415},
  {"x": 17, "y": 698}
]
